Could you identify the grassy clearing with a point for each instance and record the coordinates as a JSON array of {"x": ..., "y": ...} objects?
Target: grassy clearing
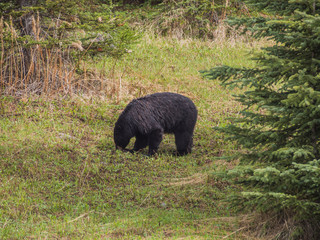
[{"x": 61, "y": 177}]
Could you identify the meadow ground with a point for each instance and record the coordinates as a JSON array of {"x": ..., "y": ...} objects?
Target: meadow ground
[{"x": 61, "y": 177}]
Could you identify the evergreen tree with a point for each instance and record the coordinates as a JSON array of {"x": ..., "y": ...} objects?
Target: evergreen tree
[{"x": 280, "y": 123}]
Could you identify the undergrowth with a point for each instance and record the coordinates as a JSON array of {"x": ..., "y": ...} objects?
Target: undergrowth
[{"x": 181, "y": 19}]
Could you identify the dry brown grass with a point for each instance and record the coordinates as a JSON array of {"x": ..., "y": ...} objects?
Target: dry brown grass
[
  {"x": 194, "y": 179},
  {"x": 277, "y": 225},
  {"x": 38, "y": 68}
]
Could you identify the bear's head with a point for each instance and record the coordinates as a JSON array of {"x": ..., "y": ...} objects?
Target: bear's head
[{"x": 122, "y": 135}]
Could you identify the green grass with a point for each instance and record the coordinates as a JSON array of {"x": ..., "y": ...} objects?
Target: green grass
[{"x": 61, "y": 177}]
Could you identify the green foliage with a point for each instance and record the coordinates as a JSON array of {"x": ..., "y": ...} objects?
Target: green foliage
[
  {"x": 280, "y": 123},
  {"x": 6, "y": 7}
]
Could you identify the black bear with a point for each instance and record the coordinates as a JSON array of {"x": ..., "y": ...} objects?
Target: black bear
[{"x": 149, "y": 117}]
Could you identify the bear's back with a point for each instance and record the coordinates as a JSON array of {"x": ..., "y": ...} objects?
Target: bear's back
[{"x": 167, "y": 109}]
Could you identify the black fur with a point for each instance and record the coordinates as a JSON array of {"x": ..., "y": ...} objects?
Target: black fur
[{"x": 149, "y": 117}]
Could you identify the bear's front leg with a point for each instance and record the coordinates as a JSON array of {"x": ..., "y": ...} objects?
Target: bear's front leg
[
  {"x": 141, "y": 142},
  {"x": 155, "y": 138},
  {"x": 183, "y": 142}
]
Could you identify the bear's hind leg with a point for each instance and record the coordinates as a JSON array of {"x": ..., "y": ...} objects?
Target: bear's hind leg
[
  {"x": 155, "y": 139},
  {"x": 184, "y": 142},
  {"x": 140, "y": 143}
]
